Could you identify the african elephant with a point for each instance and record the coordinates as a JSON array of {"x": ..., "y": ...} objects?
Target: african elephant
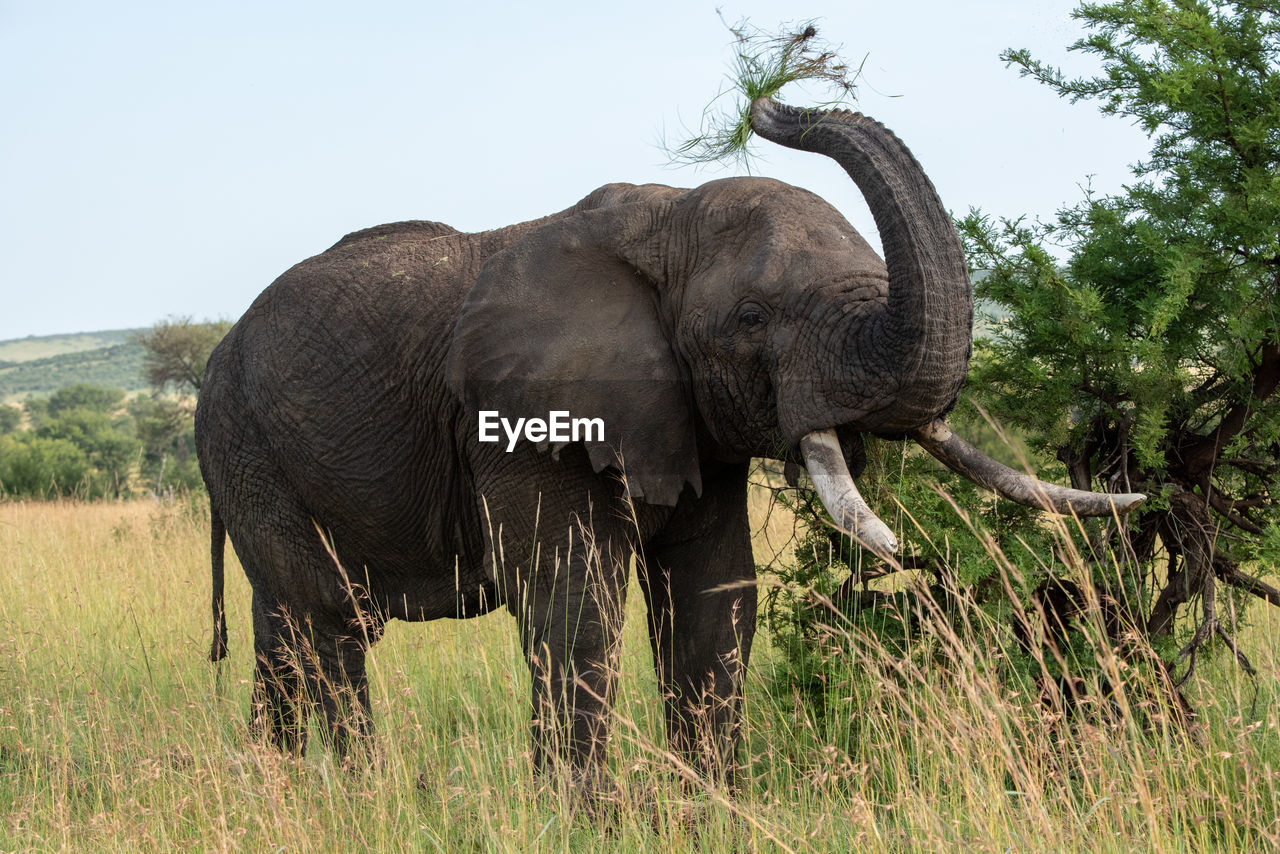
[{"x": 341, "y": 420}]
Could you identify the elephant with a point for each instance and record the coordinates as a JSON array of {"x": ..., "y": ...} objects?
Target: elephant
[{"x": 346, "y": 430}]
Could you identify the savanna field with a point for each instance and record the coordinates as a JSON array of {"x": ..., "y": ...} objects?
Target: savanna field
[{"x": 116, "y": 733}]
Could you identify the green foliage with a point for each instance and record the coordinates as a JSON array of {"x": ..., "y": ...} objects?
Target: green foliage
[
  {"x": 86, "y": 441},
  {"x": 1265, "y": 549},
  {"x": 970, "y": 567},
  {"x": 1150, "y": 359},
  {"x": 41, "y": 467},
  {"x": 1151, "y": 355},
  {"x": 84, "y": 396},
  {"x": 106, "y": 442},
  {"x": 165, "y": 429},
  {"x": 79, "y": 445},
  {"x": 37, "y": 409}
]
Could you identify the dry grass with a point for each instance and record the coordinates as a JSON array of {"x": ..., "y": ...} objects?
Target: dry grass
[{"x": 116, "y": 734}]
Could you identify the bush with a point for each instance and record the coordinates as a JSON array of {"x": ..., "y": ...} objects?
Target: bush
[
  {"x": 981, "y": 581},
  {"x": 41, "y": 467},
  {"x": 84, "y": 443}
]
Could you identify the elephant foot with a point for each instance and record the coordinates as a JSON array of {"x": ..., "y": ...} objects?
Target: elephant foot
[
  {"x": 592, "y": 795},
  {"x": 361, "y": 755}
]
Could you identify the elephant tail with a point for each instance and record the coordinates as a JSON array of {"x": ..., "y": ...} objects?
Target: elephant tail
[{"x": 218, "y": 649}]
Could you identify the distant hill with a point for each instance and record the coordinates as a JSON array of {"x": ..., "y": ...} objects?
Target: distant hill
[{"x": 38, "y": 365}]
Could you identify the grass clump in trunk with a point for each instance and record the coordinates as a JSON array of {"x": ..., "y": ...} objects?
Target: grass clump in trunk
[{"x": 763, "y": 64}]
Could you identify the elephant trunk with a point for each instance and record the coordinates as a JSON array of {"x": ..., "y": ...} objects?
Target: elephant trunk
[{"x": 925, "y": 330}]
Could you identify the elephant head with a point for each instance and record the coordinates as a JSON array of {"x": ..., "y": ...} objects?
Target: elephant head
[{"x": 745, "y": 318}]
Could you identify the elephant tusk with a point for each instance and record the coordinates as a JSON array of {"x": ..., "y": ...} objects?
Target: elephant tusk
[
  {"x": 959, "y": 456},
  {"x": 824, "y": 460}
]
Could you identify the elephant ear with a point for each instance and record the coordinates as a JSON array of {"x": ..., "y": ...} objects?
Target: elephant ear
[{"x": 565, "y": 320}]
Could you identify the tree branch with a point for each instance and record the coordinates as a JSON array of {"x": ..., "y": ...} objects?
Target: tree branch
[
  {"x": 1227, "y": 509},
  {"x": 1199, "y": 454},
  {"x": 1243, "y": 581}
]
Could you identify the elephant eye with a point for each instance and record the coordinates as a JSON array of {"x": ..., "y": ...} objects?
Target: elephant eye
[{"x": 751, "y": 316}]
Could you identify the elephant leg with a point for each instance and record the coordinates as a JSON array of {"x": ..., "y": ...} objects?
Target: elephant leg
[
  {"x": 570, "y": 608},
  {"x": 339, "y": 685},
  {"x": 312, "y": 621},
  {"x": 277, "y": 710},
  {"x": 303, "y": 665},
  {"x": 698, "y": 580}
]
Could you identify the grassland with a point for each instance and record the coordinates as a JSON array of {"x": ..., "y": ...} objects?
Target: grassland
[{"x": 117, "y": 734}]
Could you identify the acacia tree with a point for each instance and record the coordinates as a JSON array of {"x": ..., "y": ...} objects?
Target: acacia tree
[
  {"x": 176, "y": 352},
  {"x": 1150, "y": 361}
]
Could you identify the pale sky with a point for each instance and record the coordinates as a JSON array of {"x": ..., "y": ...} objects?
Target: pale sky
[{"x": 161, "y": 158}]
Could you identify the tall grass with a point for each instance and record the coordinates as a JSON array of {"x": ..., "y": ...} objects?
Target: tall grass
[{"x": 116, "y": 733}]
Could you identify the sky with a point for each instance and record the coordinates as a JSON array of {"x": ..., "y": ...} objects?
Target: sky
[{"x": 169, "y": 159}]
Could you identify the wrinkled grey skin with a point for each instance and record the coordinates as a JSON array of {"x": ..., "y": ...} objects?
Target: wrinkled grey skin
[{"x": 704, "y": 326}]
